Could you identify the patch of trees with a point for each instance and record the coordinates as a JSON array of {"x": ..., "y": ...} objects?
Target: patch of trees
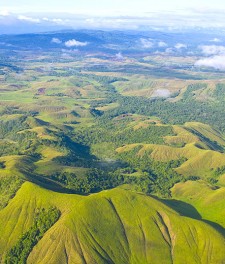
[
  {"x": 160, "y": 176},
  {"x": 189, "y": 93},
  {"x": 11, "y": 127},
  {"x": 2, "y": 165},
  {"x": 96, "y": 112},
  {"x": 219, "y": 91},
  {"x": 178, "y": 112},
  {"x": 16, "y": 110},
  {"x": 23, "y": 144},
  {"x": 44, "y": 219},
  {"x": 16, "y": 141},
  {"x": 155, "y": 178},
  {"x": 96, "y": 180},
  {"x": 219, "y": 171},
  {"x": 120, "y": 133},
  {"x": 8, "y": 187}
]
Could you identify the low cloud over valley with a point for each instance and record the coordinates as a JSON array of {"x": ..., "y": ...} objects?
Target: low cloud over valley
[{"x": 75, "y": 43}]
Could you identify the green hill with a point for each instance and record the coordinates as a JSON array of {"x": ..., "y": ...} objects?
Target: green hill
[
  {"x": 116, "y": 226},
  {"x": 208, "y": 200},
  {"x": 199, "y": 144}
]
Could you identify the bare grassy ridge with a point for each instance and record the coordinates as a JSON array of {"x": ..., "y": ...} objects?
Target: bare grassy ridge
[
  {"x": 206, "y": 199},
  {"x": 198, "y": 148},
  {"x": 85, "y": 234}
]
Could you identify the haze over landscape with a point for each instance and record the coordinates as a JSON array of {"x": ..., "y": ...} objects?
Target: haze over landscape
[
  {"x": 143, "y": 14},
  {"x": 112, "y": 132}
]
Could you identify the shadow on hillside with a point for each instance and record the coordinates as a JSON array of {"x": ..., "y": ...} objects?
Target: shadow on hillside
[
  {"x": 216, "y": 226},
  {"x": 182, "y": 208},
  {"x": 50, "y": 184},
  {"x": 80, "y": 156},
  {"x": 188, "y": 210}
]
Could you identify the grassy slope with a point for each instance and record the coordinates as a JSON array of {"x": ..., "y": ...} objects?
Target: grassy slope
[
  {"x": 208, "y": 201},
  {"x": 114, "y": 226},
  {"x": 207, "y": 132},
  {"x": 15, "y": 166},
  {"x": 200, "y": 160}
]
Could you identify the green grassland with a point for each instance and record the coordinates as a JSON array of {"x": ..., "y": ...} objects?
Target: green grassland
[
  {"x": 84, "y": 234},
  {"x": 131, "y": 156},
  {"x": 205, "y": 198}
]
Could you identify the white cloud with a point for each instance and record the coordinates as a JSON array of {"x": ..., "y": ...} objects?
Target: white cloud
[
  {"x": 180, "y": 46},
  {"x": 146, "y": 43},
  {"x": 162, "y": 44},
  {"x": 216, "y": 40},
  {"x": 212, "y": 50},
  {"x": 75, "y": 43},
  {"x": 56, "y": 40},
  {"x": 70, "y": 51},
  {"x": 29, "y": 19},
  {"x": 90, "y": 20},
  {"x": 58, "y": 20},
  {"x": 216, "y": 62},
  {"x": 161, "y": 93},
  {"x": 4, "y": 12},
  {"x": 169, "y": 50},
  {"x": 119, "y": 56}
]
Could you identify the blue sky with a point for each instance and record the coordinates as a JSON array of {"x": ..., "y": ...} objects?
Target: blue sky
[{"x": 107, "y": 6}]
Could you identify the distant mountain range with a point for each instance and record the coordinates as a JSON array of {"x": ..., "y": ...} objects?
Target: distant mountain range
[{"x": 127, "y": 42}]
